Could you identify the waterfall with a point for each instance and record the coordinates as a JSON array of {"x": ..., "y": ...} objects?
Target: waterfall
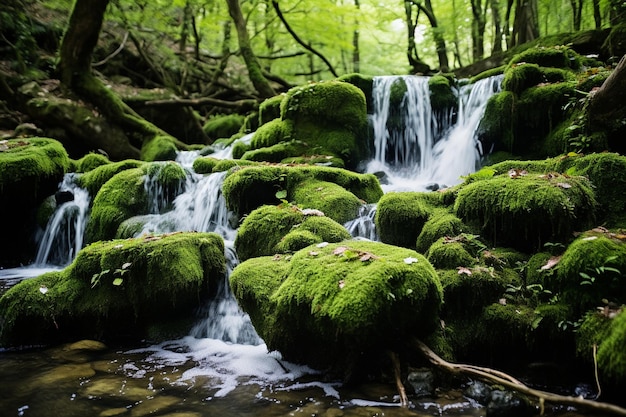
[
  {"x": 417, "y": 149},
  {"x": 63, "y": 236},
  {"x": 363, "y": 226}
]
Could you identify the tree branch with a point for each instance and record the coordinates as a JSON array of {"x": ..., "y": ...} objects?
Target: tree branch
[
  {"x": 243, "y": 105},
  {"x": 496, "y": 377},
  {"x": 300, "y": 41}
]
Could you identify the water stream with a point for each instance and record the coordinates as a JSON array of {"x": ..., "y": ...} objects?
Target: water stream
[{"x": 222, "y": 367}]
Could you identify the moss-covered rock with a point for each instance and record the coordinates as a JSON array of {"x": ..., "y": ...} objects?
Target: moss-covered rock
[
  {"x": 125, "y": 195},
  {"x": 115, "y": 289},
  {"x": 278, "y": 152},
  {"x": 400, "y": 217},
  {"x": 370, "y": 297},
  {"x": 270, "y": 109},
  {"x": 442, "y": 98},
  {"x": 592, "y": 269},
  {"x": 90, "y": 161},
  {"x": 524, "y": 211},
  {"x": 223, "y": 126},
  {"x": 556, "y": 56},
  {"x": 93, "y": 180},
  {"x": 448, "y": 253},
  {"x": 159, "y": 148},
  {"x": 281, "y": 229},
  {"x": 30, "y": 171},
  {"x": 332, "y": 199},
  {"x": 441, "y": 223},
  {"x": 468, "y": 290},
  {"x": 247, "y": 188},
  {"x": 364, "y": 82}
]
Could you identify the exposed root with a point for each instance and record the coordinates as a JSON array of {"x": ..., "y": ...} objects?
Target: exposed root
[
  {"x": 496, "y": 377},
  {"x": 404, "y": 401}
]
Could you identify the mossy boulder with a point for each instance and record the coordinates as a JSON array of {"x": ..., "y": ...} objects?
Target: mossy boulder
[
  {"x": 248, "y": 187},
  {"x": 342, "y": 305},
  {"x": 592, "y": 270},
  {"x": 524, "y": 211},
  {"x": 449, "y": 253},
  {"x": 282, "y": 229},
  {"x": 125, "y": 195},
  {"x": 223, "y": 126},
  {"x": 159, "y": 148},
  {"x": 400, "y": 217},
  {"x": 442, "y": 98},
  {"x": 441, "y": 223},
  {"x": 90, "y": 161},
  {"x": 93, "y": 180},
  {"x": 30, "y": 171},
  {"x": 327, "y": 118},
  {"x": 115, "y": 289},
  {"x": 270, "y": 109},
  {"x": 554, "y": 56},
  {"x": 333, "y": 200}
]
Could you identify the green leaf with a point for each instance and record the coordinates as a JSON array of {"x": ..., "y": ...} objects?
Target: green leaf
[
  {"x": 118, "y": 281},
  {"x": 281, "y": 195}
]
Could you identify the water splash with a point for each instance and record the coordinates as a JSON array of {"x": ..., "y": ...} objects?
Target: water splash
[
  {"x": 63, "y": 236},
  {"x": 363, "y": 226},
  {"x": 416, "y": 149}
]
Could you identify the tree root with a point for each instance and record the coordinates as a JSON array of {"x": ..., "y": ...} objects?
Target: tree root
[
  {"x": 404, "y": 401},
  {"x": 496, "y": 377}
]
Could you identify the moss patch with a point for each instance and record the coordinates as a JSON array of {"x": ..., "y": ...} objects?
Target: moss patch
[
  {"x": 223, "y": 126},
  {"x": 93, "y": 180},
  {"x": 333, "y": 200},
  {"x": 400, "y": 218},
  {"x": 159, "y": 148}
]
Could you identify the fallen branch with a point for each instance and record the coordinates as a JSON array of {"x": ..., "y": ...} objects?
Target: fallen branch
[
  {"x": 242, "y": 105},
  {"x": 397, "y": 372},
  {"x": 496, "y": 377}
]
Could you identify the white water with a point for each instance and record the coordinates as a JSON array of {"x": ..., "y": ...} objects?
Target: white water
[{"x": 427, "y": 149}]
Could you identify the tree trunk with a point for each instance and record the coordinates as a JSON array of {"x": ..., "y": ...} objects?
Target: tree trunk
[
  {"x": 526, "y": 24},
  {"x": 255, "y": 73},
  {"x": 440, "y": 42},
  {"x": 417, "y": 65},
  {"x": 356, "y": 57},
  {"x": 607, "y": 108},
  {"x": 497, "y": 26},
  {"x": 577, "y": 12},
  {"x": 597, "y": 15},
  {"x": 478, "y": 30},
  {"x": 74, "y": 69}
]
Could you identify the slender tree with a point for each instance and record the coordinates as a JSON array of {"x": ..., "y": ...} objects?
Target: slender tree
[{"x": 255, "y": 73}]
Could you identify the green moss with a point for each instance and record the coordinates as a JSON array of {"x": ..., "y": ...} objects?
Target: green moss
[
  {"x": 91, "y": 161},
  {"x": 159, "y": 148},
  {"x": 441, "y": 223},
  {"x": 204, "y": 165},
  {"x": 446, "y": 254},
  {"x": 329, "y": 103},
  {"x": 226, "y": 164},
  {"x": 31, "y": 161},
  {"x": 335, "y": 308},
  {"x": 519, "y": 78},
  {"x": 270, "y": 109},
  {"x": 468, "y": 291},
  {"x": 249, "y": 187},
  {"x": 239, "y": 148},
  {"x": 272, "y": 133},
  {"x": 332, "y": 199},
  {"x": 442, "y": 98},
  {"x": 611, "y": 353},
  {"x": 223, "y": 126},
  {"x": 168, "y": 174},
  {"x": 601, "y": 259},
  {"x": 400, "y": 218},
  {"x": 277, "y": 152},
  {"x": 488, "y": 73},
  {"x": 268, "y": 230},
  {"x": 115, "y": 287},
  {"x": 120, "y": 198},
  {"x": 525, "y": 211},
  {"x": 319, "y": 160},
  {"x": 363, "y": 82},
  {"x": 497, "y": 125},
  {"x": 93, "y": 180},
  {"x": 557, "y": 57}
]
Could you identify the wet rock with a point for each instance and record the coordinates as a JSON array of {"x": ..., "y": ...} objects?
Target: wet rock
[
  {"x": 115, "y": 386},
  {"x": 422, "y": 381},
  {"x": 154, "y": 405},
  {"x": 478, "y": 391},
  {"x": 63, "y": 197},
  {"x": 114, "y": 412},
  {"x": 508, "y": 404}
]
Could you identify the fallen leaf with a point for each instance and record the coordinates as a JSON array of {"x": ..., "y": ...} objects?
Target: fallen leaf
[
  {"x": 464, "y": 270},
  {"x": 367, "y": 257},
  {"x": 551, "y": 262},
  {"x": 502, "y": 301},
  {"x": 342, "y": 283},
  {"x": 340, "y": 250},
  {"x": 43, "y": 289},
  {"x": 313, "y": 253},
  {"x": 410, "y": 260},
  {"x": 563, "y": 185},
  {"x": 322, "y": 245}
]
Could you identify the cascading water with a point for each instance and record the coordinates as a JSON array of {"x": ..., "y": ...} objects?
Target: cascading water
[
  {"x": 415, "y": 148},
  {"x": 63, "y": 237}
]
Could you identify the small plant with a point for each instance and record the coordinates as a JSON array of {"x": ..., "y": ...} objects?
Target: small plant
[
  {"x": 592, "y": 274},
  {"x": 117, "y": 274}
]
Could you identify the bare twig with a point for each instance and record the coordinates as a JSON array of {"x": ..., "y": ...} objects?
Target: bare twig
[{"x": 404, "y": 401}]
